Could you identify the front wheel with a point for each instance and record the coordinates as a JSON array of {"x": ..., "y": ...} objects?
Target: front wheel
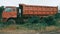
[{"x": 11, "y": 21}]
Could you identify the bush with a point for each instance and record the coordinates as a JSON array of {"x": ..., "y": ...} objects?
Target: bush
[
  {"x": 34, "y": 19},
  {"x": 57, "y": 16},
  {"x": 50, "y": 20}
]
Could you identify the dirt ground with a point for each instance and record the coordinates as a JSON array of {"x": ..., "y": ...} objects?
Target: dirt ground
[{"x": 25, "y": 32}]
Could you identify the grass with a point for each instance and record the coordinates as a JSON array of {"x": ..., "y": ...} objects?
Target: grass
[{"x": 36, "y": 27}]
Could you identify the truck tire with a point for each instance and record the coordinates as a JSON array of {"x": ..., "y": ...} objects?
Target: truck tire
[{"x": 11, "y": 21}]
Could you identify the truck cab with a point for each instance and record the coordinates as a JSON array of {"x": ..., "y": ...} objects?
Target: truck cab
[{"x": 9, "y": 12}]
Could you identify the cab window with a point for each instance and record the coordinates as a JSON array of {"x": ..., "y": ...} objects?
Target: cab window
[{"x": 8, "y": 9}]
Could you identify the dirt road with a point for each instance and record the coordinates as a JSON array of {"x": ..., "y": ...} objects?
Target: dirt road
[
  {"x": 29, "y": 33},
  {"x": 26, "y": 32}
]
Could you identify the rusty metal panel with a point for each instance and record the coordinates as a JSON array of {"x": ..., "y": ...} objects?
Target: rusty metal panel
[{"x": 39, "y": 10}]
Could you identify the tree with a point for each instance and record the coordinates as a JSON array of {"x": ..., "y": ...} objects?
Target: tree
[{"x": 1, "y": 10}]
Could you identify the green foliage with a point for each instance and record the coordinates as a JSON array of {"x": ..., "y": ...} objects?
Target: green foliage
[
  {"x": 35, "y": 26},
  {"x": 1, "y": 9},
  {"x": 57, "y": 16},
  {"x": 50, "y": 20},
  {"x": 34, "y": 19},
  {"x": 36, "y": 22}
]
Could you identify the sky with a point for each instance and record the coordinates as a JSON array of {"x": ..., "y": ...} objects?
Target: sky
[{"x": 30, "y": 2}]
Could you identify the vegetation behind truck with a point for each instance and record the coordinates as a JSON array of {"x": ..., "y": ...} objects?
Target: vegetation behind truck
[{"x": 14, "y": 14}]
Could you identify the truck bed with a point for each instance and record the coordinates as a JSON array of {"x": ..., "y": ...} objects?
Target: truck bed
[{"x": 39, "y": 10}]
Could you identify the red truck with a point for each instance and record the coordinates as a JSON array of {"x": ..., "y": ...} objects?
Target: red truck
[{"x": 12, "y": 13}]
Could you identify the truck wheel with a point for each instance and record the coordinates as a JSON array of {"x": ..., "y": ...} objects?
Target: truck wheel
[{"x": 11, "y": 21}]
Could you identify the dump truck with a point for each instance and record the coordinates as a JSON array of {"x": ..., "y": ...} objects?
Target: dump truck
[{"x": 13, "y": 14}]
